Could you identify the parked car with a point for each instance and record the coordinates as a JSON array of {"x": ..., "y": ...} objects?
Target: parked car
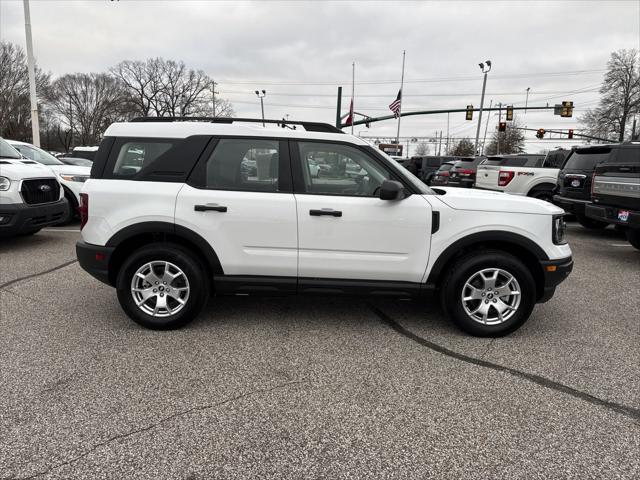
[
  {"x": 573, "y": 188},
  {"x": 84, "y": 152},
  {"x": 521, "y": 174},
  {"x": 424, "y": 167},
  {"x": 463, "y": 173},
  {"x": 187, "y": 224},
  {"x": 81, "y": 162},
  {"x": 30, "y": 196},
  {"x": 71, "y": 177},
  {"x": 615, "y": 190},
  {"x": 441, "y": 176}
]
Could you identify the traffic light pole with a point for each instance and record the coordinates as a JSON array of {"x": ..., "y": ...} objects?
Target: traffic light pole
[
  {"x": 435, "y": 112},
  {"x": 484, "y": 86},
  {"x": 589, "y": 137}
]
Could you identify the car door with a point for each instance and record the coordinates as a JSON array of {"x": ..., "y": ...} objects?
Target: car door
[
  {"x": 239, "y": 199},
  {"x": 345, "y": 231}
]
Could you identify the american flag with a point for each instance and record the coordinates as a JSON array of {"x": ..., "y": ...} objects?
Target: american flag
[{"x": 395, "y": 105}]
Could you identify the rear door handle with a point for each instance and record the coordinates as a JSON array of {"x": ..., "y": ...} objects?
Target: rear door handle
[
  {"x": 205, "y": 208},
  {"x": 325, "y": 211}
]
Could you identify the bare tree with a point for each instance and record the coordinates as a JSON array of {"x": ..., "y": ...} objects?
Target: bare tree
[
  {"x": 15, "y": 109},
  {"x": 463, "y": 148},
  {"x": 88, "y": 103},
  {"x": 620, "y": 97},
  {"x": 159, "y": 87},
  {"x": 509, "y": 141},
  {"x": 422, "y": 148}
]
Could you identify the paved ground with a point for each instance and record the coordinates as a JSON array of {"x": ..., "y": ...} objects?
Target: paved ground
[{"x": 316, "y": 387}]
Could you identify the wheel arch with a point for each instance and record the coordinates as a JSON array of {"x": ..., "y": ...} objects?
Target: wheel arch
[
  {"x": 521, "y": 247},
  {"x": 544, "y": 185},
  {"x": 135, "y": 236}
]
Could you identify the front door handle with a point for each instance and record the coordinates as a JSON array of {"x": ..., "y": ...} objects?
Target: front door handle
[
  {"x": 205, "y": 208},
  {"x": 325, "y": 211}
]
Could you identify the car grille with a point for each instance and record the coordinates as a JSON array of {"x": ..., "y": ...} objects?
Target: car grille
[{"x": 43, "y": 190}]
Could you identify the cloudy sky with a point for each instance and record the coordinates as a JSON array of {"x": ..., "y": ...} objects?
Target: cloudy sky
[{"x": 300, "y": 52}]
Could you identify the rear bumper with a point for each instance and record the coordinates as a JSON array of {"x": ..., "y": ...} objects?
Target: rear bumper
[
  {"x": 571, "y": 205},
  {"x": 94, "y": 259},
  {"x": 23, "y": 218},
  {"x": 555, "y": 272},
  {"x": 462, "y": 182},
  {"x": 610, "y": 215}
]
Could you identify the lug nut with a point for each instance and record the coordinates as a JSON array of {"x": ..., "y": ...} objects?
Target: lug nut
[
  {"x": 486, "y": 301},
  {"x": 495, "y": 300},
  {"x": 155, "y": 289},
  {"x": 162, "y": 294}
]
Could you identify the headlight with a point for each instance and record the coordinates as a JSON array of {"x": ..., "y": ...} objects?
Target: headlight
[
  {"x": 74, "y": 178},
  {"x": 5, "y": 183},
  {"x": 559, "y": 228}
]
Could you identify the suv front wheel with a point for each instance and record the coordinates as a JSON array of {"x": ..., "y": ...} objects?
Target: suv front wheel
[
  {"x": 489, "y": 294},
  {"x": 162, "y": 286}
]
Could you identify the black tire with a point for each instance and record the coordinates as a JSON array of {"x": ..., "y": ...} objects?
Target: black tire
[
  {"x": 633, "y": 237},
  {"x": 185, "y": 260},
  {"x": 453, "y": 286},
  {"x": 590, "y": 223},
  {"x": 546, "y": 195}
]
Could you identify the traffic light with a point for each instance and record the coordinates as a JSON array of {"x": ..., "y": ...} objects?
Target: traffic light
[
  {"x": 567, "y": 109},
  {"x": 570, "y": 134},
  {"x": 510, "y": 113},
  {"x": 469, "y": 112},
  {"x": 502, "y": 126},
  {"x": 540, "y": 133}
]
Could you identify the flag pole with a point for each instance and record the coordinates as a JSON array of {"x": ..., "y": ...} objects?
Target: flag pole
[
  {"x": 353, "y": 92},
  {"x": 401, "y": 96}
]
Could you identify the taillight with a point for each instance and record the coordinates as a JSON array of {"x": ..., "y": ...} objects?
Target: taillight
[
  {"x": 593, "y": 183},
  {"x": 84, "y": 209},
  {"x": 444, "y": 174},
  {"x": 465, "y": 172},
  {"x": 504, "y": 178}
]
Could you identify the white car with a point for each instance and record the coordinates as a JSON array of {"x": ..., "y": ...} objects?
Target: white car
[
  {"x": 71, "y": 177},
  {"x": 528, "y": 175},
  {"x": 30, "y": 196},
  {"x": 184, "y": 223}
]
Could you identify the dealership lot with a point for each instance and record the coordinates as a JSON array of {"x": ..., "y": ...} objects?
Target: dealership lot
[{"x": 315, "y": 387}]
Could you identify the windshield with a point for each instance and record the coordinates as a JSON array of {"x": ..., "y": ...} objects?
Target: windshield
[
  {"x": 585, "y": 160},
  {"x": 37, "y": 154},
  {"x": 406, "y": 174},
  {"x": 7, "y": 151},
  {"x": 83, "y": 162}
]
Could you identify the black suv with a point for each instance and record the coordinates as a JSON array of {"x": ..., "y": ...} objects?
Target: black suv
[
  {"x": 616, "y": 190},
  {"x": 573, "y": 190},
  {"x": 463, "y": 173}
]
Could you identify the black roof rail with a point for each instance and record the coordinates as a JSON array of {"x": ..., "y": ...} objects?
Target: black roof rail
[{"x": 308, "y": 126}]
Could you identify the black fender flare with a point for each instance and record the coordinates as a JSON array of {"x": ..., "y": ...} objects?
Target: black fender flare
[
  {"x": 203, "y": 246},
  {"x": 483, "y": 238}
]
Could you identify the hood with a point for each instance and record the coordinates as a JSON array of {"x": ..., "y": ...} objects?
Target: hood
[
  {"x": 16, "y": 170},
  {"x": 70, "y": 169},
  {"x": 489, "y": 201}
]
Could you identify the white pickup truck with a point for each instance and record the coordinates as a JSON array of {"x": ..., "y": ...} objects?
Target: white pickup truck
[{"x": 522, "y": 174}]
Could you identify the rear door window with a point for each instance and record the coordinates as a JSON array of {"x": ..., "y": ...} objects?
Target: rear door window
[{"x": 586, "y": 159}]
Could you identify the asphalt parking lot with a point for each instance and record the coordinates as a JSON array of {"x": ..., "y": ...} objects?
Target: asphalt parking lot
[{"x": 315, "y": 387}]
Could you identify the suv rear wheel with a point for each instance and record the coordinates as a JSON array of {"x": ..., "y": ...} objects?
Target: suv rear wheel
[
  {"x": 162, "y": 286},
  {"x": 489, "y": 294}
]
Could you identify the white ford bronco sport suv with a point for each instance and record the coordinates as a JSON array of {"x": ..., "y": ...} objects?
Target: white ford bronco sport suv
[
  {"x": 30, "y": 196},
  {"x": 178, "y": 209}
]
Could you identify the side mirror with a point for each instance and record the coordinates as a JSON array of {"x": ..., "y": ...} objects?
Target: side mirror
[{"x": 391, "y": 190}]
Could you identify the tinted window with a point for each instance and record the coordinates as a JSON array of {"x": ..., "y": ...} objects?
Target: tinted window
[
  {"x": 585, "y": 160},
  {"x": 133, "y": 156},
  {"x": 333, "y": 169},
  {"x": 628, "y": 155},
  {"x": 244, "y": 164},
  {"x": 7, "y": 151},
  {"x": 433, "y": 162},
  {"x": 554, "y": 160},
  {"x": 35, "y": 153},
  {"x": 506, "y": 161},
  {"x": 445, "y": 167}
]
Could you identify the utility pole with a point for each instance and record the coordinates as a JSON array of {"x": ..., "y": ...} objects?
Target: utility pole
[
  {"x": 633, "y": 129},
  {"x": 213, "y": 96},
  {"x": 526, "y": 101},
  {"x": 486, "y": 126},
  {"x": 447, "y": 147},
  {"x": 339, "y": 108},
  {"x": 71, "y": 122},
  {"x": 499, "y": 120},
  {"x": 35, "y": 125},
  {"x": 440, "y": 144},
  {"x": 484, "y": 86}
]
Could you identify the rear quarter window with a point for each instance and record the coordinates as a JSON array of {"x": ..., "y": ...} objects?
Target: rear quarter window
[{"x": 586, "y": 159}]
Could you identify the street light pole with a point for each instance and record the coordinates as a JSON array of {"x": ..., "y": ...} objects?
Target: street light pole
[
  {"x": 261, "y": 94},
  {"x": 484, "y": 86},
  {"x": 526, "y": 100},
  {"x": 486, "y": 126},
  {"x": 35, "y": 125}
]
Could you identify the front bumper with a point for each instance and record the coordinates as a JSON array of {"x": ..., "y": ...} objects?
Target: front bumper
[
  {"x": 571, "y": 205},
  {"x": 610, "y": 215},
  {"x": 554, "y": 273},
  {"x": 95, "y": 260},
  {"x": 17, "y": 218}
]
